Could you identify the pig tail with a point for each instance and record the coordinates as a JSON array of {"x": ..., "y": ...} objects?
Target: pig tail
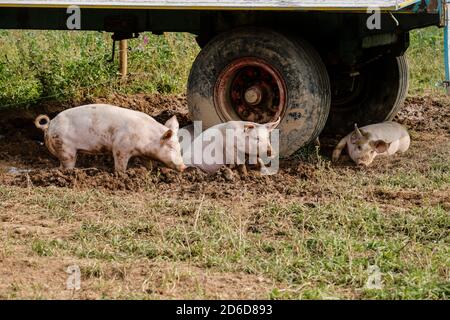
[{"x": 42, "y": 122}]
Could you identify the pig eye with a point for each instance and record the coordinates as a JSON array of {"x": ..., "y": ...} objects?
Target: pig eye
[{"x": 359, "y": 148}]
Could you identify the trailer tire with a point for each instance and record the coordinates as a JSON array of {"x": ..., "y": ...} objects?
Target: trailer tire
[
  {"x": 378, "y": 97},
  {"x": 288, "y": 68}
]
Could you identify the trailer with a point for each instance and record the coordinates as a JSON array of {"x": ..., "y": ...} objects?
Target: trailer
[{"x": 316, "y": 64}]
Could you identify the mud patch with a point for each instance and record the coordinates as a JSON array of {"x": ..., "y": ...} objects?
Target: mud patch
[
  {"x": 162, "y": 108},
  {"x": 134, "y": 179},
  {"x": 224, "y": 184},
  {"x": 425, "y": 113},
  {"x": 414, "y": 198},
  {"x": 158, "y": 106},
  {"x": 35, "y": 166}
]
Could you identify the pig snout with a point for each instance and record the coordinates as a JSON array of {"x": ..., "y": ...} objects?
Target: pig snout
[
  {"x": 179, "y": 167},
  {"x": 176, "y": 165},
  {"x": 363, "y": 162},
  {"x": 172, "y": 158}
]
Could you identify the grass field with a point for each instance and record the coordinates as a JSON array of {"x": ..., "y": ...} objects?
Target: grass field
[
  {"x": 314, "y": 239},
  {"x": 426, "y": 60},
  {"x": 313, "y": 231},
  {"x": 62, "y": 65}
]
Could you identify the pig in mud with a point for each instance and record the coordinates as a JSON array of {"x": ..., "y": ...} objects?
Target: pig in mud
[
  {"x": 364, "y": 144},
  {"x": 101, "y": 128},
  {"x": 229, "y": 143}
]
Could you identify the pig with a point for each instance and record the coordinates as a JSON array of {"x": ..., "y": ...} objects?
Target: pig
[
  {"x": 102, "y": 128},
  {"x": 251, "y": 138},
  {"x": 364, "y": 144}
]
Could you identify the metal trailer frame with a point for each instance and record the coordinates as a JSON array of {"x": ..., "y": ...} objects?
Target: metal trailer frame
[
  {"x": 176, "y": 15},
  {"x": 447, "y": 46},
  {"x": 341, "y": 5}
]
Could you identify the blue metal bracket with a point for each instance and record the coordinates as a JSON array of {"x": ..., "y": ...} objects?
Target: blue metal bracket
[{"x": 446, "y": 46}]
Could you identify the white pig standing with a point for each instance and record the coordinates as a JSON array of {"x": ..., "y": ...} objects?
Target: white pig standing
[
  {"x": 102, "y": 128},
  {"x": 209, "y": 150},
  {"x": 364, "y": 144}
]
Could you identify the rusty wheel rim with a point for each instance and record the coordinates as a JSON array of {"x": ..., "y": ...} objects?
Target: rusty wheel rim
[{"x": 250, "y": 89}]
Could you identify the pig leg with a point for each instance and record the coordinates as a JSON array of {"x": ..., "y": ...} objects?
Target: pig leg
[
  {"x": 242, "y": 168},
  {"x": 262, "y": 167},
  {"x": 67, "y": 159},
  {"x": 317, "y": 142},
  {"x": 149, "y": 165},
  {"x": 66, "y": 154},
  {"x": 121, "y": 160},
  {"x": 338, "y": 149}
]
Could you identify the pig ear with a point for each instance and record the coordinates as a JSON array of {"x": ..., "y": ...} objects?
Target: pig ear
[
  {"x": 172, "y": 123},
  {"x": 380, "y": 146},
  {"x": 272, "y": 125},
  {"x": 248, "y": 127},
  {"x": 357, "y": 134},
  {"x": 167, "y": 135}
]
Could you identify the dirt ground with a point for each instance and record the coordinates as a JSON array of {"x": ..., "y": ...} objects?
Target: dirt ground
[
  {"x": 26, "y": 165},
  {"x": 25, "y": 161}
]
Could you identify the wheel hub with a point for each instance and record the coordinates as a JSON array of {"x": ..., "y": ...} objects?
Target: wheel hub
[
  {"x": 253, "y": 95},
  {"x": 250, "y": 89}
]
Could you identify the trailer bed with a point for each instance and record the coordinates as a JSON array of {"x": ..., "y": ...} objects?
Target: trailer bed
[{"x": 218, "y": 5}]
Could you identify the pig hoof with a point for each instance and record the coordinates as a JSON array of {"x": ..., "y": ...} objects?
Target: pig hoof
[
  {"x": 166, "y": 170},
  {"x": 317, "y": 142},
  {"x": 242, "y": 168},
  {"x": 227, "y": 174},
  {"x": 264, "y": 171}
]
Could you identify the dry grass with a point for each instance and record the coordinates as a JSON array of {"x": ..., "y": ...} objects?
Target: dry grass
[{"x": 316, "y": 239}]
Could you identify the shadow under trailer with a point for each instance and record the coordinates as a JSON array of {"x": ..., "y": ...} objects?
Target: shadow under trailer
[{"x": 317, "y": 64}]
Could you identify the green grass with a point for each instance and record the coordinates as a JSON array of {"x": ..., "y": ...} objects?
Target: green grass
[
  {"x": 62, "y": 65},
  {"x": 317, "y": 246},
  {"x": 59, "y": 65},
  {"x": 426, "y": 60},
  {"x": 315, "y": 241},
  {"x": 318, "y": 251}
]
